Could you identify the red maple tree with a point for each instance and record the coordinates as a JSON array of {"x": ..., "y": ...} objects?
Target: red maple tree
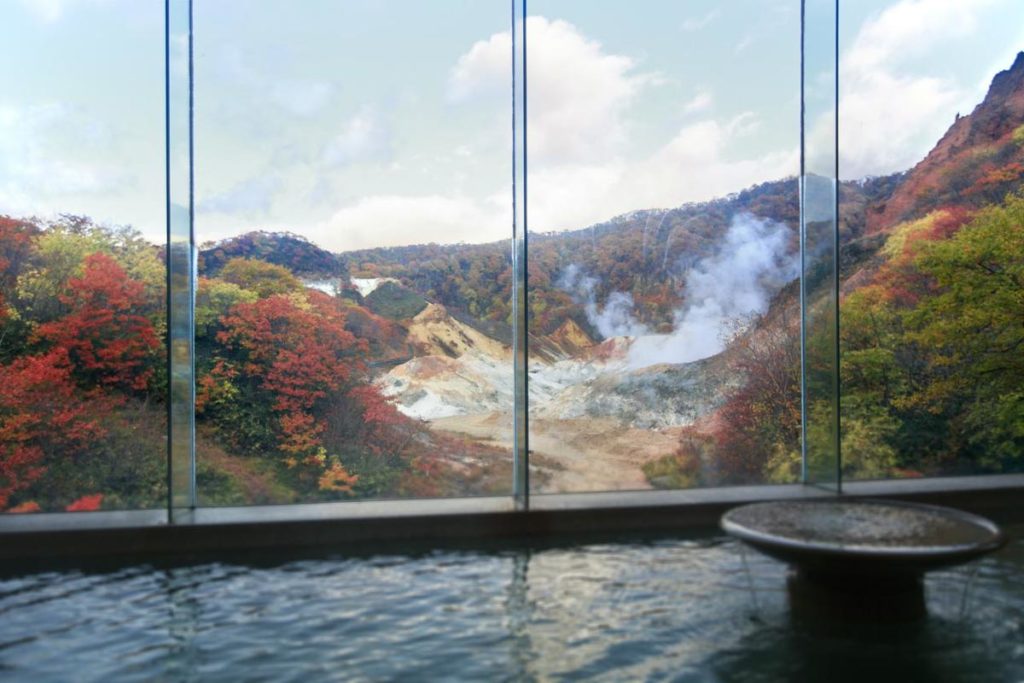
[
  {"x": 42, "y": 416},
  {"x": 106, "y": 339},
  {"x": 301, "y": 355}
]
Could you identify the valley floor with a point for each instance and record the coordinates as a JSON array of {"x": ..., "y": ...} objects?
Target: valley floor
[{"x": 594, "y": 454}]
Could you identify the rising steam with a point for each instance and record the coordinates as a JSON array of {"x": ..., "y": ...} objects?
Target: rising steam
[
  {"x": 751, "y": 264},
  {"x": 615, "y": 318}
]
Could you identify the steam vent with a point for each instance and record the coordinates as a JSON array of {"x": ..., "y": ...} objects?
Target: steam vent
[{"x": 861, "y": 560}]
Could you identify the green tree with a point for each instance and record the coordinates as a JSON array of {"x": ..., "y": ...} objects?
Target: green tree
[
  {"x": 973, "y": 327},
  {"x": 214, "y": 299},
  {"x": 266, "y": 279}
]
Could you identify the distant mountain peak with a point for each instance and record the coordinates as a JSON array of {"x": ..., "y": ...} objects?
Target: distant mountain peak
[
  {"x": 956, "y": 161},
  {"x": 287, "y": 249}
]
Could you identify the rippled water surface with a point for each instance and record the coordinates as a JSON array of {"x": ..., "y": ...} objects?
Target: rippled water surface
[{"x": 689, "y": 610}]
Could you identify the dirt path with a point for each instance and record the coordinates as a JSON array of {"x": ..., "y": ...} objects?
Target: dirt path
[
  {"x": 578, "y": 455},
  {"x": 257, "y": 486}
]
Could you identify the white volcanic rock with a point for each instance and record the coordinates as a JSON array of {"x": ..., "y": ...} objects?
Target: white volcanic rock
[
  {"x": 459, "y": 370},
  {"x": 462, "y": 372},
  {"x": 431, "y": 387},
  {"x": 366, "y": 285}
]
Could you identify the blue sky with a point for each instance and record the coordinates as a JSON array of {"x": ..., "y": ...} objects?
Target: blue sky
[{"x": 373, "y": 122}]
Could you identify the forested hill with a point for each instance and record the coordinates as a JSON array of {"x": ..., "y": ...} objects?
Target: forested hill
[
  {"x": 646, "y": 253},
  {"x": 932, "y": 332},
  {"x": 294, "y": 252},
  {"x": 974, "y": 164},
  {"x": 932, "y": 306}
]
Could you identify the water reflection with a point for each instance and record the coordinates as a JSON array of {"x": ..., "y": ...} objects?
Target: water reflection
[
  {"x": 183, "y": 617},
  {"x": 520, "y": 614},
  {"x": 662, "y": 610}
]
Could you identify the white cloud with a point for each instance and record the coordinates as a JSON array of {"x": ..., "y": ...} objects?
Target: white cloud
[
  {"x": 46, "y": 10},
  {"x": 572, "y": 196},
  {"x": 702, "y": 101},
  {"x": 364, "y": 138},
  {"x": 302, "y": 98},
  {"x": 698, "y": 163},
  {"x": 697, "y": 23},
  {"x": 578, "y": 92},
  {"x": 909, "y": 29},
  {"x": 485, "y": 70},
  {"x": 390, "y": 220},
  {"x": 251, "y": 197},
  {"x": 744, "y": 42},
  {"x": 891, "y": 113},
  {"x": 297, "y": 96},
  {"x": 36, "y": 162},
  {"x": 49, "y": 11},
  {"x": 582, "y": 167}
]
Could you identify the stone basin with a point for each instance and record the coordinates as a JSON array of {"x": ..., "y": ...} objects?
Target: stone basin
[{"x": 861, "y": 559}]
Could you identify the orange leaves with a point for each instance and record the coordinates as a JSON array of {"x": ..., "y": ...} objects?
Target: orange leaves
[
  {"x": 27, "y": 506},
  {"x": 299, "y": 432},
  {"x": 300, "y": 355},
  {"x": 215, "y": 386},
  {"x": 20, "y": 466},
  {"x": 377, "y": 425},
  {"x": 296, "y": 357},
  {"x": 89, "y": 503},
  {"x": 44, "y": 416},
  {"x": 996, "y": 178},
  {"x": 900, "y": 276},
  {"x": 947, "y": 221},
  {"x": 376, "y": 408},
  {"x": 336, "y": 478},
  {"x": 762, "y": 414}
]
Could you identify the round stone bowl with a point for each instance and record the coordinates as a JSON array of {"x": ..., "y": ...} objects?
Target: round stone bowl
[{"x": 861, "y": 559}]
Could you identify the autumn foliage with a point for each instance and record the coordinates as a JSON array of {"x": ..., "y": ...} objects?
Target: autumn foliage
[
  {"x": 294, "y": 355},
  {"x": 43, "y": 416},
  {"x": 297, "y": 356},
  {"x": 287, "y": 406},
  {"x": 88, "y": 503},
  {"x": 79, "y": 337},
  {"x": 107, "y": 341}
]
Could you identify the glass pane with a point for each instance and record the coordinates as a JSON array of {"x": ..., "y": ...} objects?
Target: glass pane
[
  {"x": 520, "y": 328},
  {"x": 181, "y": 247},
  {"x": 818, "y": 207},
  {"x": 82, "y": 274},
  {"x": 353, "y": 166},
  {"x": 931, "y": 157},
  {"x": 663, "y": 153}
]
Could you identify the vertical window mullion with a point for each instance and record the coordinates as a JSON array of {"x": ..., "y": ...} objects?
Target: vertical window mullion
[
  {"x": 520, "y": 469},
  {"x": 180, "y": 259}
]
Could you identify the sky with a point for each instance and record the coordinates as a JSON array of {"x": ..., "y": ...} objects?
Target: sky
[{"x": 383, "y": 122}]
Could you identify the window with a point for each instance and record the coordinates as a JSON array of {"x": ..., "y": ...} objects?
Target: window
[
  {"x": 444, "y": 250},
  {"x": 82, "y": 274}
]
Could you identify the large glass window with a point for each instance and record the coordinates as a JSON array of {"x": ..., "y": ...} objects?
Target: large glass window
[
  {"x": 663, "y": 147},
  {"x": 820, "y": 456},
  {"x": 336, "y": 193},
  {"x": 353, "y": 322},
  {"x": 931, "y": 158},
  {"x": 82, "y": 275}
]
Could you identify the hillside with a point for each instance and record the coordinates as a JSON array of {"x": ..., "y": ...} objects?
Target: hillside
[
  {"x": 933, "y": 305},
  {"x": 297, "y": 254},
  {"x": 977, "y": 161}
]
